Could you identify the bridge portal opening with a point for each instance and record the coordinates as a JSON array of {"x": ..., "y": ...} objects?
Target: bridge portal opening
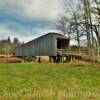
[{"x": 62, "y": 43}]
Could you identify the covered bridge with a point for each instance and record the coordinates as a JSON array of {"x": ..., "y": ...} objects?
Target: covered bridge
[{"x": 45, "y": 45}]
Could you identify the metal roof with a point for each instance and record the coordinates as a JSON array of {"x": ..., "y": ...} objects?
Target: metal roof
[{"x": 50, "y": 33}]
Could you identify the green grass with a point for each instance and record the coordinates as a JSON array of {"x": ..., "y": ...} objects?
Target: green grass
[{"x": 49, "y": 82}]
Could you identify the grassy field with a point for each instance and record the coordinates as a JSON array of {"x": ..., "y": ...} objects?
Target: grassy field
[{"x": 35, "y": 81}]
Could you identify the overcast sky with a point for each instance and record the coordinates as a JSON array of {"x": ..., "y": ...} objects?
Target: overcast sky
[{"x": 27, "y": 19}]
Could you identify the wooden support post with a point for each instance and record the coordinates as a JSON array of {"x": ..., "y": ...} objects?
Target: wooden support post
[
  {"x": 22, "y": 59},
  {"x": 62, "y": 59},
  {"x": 71, "y": 58},
  {"x": 74, "y": 58},
  {"x": 50, "y": 59}
]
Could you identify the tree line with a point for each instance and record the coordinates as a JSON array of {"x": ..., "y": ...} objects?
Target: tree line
[
  {"x": 7, "y": 46},
  {"x": 8, "y": 40}
]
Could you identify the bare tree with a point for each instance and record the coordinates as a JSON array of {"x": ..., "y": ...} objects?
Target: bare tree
[
  {"x": 69, "y": 23},
  {"x": 96, "y": 25},
  {"x": 61, "y": 25},
  {"x": 81, "y": 20}
]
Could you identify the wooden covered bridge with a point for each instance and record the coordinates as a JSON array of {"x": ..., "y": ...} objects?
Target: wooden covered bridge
[{"x": 53, "y": 45}]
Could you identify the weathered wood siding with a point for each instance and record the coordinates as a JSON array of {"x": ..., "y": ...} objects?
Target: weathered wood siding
[
  {"x": 24, "y": 50},
  {"x": 45, "y": 45}
]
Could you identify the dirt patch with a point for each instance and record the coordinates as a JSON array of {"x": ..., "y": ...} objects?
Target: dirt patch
[
  {"x": 79, "y": 63},
  {"x": 97, "y": 65},
  {"x": 10, "y": 59}
]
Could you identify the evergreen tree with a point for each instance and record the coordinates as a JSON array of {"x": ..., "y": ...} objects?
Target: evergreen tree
[
  {"x": 16, "y": 41},
  {"x": 9, "y": 40}
]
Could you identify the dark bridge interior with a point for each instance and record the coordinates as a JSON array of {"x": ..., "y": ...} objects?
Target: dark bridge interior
[{"x": 62, "y": 43}]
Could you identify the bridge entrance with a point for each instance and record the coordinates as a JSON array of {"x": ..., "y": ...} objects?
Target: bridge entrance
[{"x": 62, "y": 43}]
